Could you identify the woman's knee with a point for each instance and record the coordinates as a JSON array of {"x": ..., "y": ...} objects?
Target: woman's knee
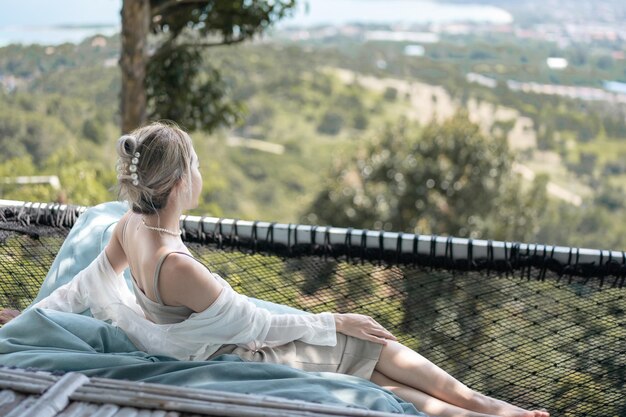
[{"x": 379, "y": 378}]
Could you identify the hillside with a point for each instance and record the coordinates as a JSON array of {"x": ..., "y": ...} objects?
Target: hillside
[{"x": 60, "y": 118}]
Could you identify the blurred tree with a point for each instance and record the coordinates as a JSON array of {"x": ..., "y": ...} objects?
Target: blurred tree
[
  {"x": 390, "y": 94},
  {"x": 23, "y": 133},
  {"x": 94, "y": 130},
  {"x": 83, "y": 181},
  {"x": 586, "y": 164},
  {"x": 166, "y": 83},
  {"x": 445, "y": 179},
  {"x": 360, "y": 121},
  {"x": 331, "y": 123},
  {"x": 10, "y": 128},
  {"x": 22, "y": 166}
]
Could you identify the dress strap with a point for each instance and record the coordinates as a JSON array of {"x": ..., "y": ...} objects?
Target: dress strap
[{"x": 158, "y": 270}]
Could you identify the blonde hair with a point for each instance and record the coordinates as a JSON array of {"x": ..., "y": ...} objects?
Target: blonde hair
[{"x": 165, "y": 159}]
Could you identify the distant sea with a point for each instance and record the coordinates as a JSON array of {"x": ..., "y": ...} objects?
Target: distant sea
[
  {"x": 52, "y": 35},
  {"x": 59, "y": 21}
]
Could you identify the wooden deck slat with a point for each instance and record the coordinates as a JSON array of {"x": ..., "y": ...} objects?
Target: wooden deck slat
[{"x": 75, "y": 395}]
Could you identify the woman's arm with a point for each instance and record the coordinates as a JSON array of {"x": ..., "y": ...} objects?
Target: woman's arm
[
  {"x": 81, "y": 292},
  {"x": 234, "y": 318}
]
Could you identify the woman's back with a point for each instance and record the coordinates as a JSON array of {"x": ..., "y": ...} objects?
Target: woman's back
[{"x": 146, "y": 255}]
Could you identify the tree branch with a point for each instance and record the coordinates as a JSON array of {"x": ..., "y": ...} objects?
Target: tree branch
[
  {"x": 171, "y": 44},
  {"x": 211, "y": 44},
  {"x": 161, "y": 8}
]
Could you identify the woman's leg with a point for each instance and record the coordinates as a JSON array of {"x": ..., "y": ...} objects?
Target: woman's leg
[
  {"x": 422, "y": 401},
  {"x": 402, "y": 364}
]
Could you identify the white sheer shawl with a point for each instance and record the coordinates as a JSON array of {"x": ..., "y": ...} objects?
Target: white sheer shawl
[{"x": 231, "y": 319}]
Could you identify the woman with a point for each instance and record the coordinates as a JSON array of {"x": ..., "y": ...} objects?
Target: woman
[{"x": 159, "y": 175}]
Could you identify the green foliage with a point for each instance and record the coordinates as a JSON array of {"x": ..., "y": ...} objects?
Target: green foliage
[
  {"x": 500, "y": 57},
  {"x": 25, "y": 133},
  {"x": 88, "y": 86},
  {"x": 24, "y": 166},
  {"x": 390, "y": 94},
  {"x": 94, "y": 130},
  {"x": 82, "y": 179},
  {"x": 70, "y": 100},
  {"x": 230, "y": 20},
  {"x": 178, "y": 86},
  {"x": 444, "y": 179},
  {"x": 330, "y": 124}
]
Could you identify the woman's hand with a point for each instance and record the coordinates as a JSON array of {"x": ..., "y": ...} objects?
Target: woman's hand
[{"x": 362, "y": 327}]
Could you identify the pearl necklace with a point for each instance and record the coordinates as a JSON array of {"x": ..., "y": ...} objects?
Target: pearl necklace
[{"x": 160, "y": 229}]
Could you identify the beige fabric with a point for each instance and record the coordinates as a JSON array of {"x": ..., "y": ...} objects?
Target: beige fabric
[
  {"x": 351, "y": 356},
  {"x": 159, "y": 313}
]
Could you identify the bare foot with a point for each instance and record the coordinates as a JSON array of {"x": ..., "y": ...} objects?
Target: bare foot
[{"x": 501, "y": 408}]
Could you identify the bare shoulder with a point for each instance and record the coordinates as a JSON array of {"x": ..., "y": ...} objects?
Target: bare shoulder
[
  {"x": 114, "y": 249},
  {"x": 185, "y": 281},
  {"x": 119, "y": 227}
]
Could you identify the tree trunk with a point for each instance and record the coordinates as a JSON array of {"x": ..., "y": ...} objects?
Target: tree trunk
[{"x": 133, "y": 61}]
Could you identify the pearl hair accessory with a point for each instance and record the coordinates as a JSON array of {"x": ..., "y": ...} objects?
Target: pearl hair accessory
[
  {"x": 160, "y": 229},
  {"x": 129, "y": 170},
  {"x": 133, "y": 168}
]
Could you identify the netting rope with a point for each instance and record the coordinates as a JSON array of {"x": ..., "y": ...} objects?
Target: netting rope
[{"x": 535, "y": 325}]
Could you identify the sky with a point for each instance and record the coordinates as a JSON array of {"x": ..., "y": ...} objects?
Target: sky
[{"x": 55, "y": 12}]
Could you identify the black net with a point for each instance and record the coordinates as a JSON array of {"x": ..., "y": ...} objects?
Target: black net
[{"x": 534, "y": 334}]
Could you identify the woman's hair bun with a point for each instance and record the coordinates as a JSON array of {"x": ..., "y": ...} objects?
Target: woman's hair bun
[
  {"x": 126, "y": 146},
  {"x": 152, "y": 161}
]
